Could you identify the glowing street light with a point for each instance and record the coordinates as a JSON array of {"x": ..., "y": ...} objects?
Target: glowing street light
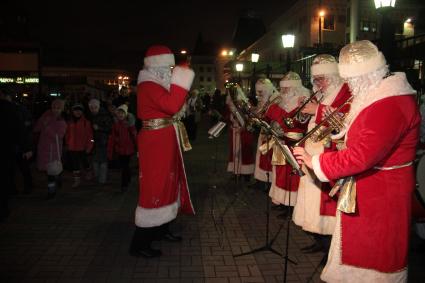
[
  {"x": 384, "y": 3},
  {"x": 321, "y": 16},
  {"x": 255, "y": 57},
  {"x": 239, "y": 67},
  {"x": 288, "y": 41}
]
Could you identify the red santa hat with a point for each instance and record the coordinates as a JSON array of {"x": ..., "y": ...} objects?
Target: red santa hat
[
  {"x": 359, "y": 58},
  {"x": 324, "y": 64},
  {"x": 159, "y": 56}
]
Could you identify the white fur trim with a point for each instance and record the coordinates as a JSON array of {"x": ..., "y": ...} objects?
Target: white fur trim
[
  {"x": 159, "y": 60},
  {"x": 317, "y": 169},
  {"x": 290, "y": 83},
  {"x": 182, "y": 77},
  {"x": 152, "y": 217},
  {"x": 324, "y": 69},
  {"x": 358, "y": 69}
]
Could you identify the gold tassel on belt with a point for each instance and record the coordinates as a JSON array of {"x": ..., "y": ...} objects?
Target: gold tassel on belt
[
  {"x": 278, "y": 158},
  {"x": 184, "y": 138},
  {"x": 347, "y": 195}
]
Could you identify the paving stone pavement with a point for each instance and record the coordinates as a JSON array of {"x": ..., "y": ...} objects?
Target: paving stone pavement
[{"x": 83, "y": 235}]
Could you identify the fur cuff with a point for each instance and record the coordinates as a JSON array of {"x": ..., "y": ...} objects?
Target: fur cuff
[
  {"x": 182, "y": 77},
  {"x": 317, "y": 169}
]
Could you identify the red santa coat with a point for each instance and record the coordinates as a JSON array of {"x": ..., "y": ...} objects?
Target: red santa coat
[
  {"x": 163, "y": 186},
  {"x": 384, "y": 134},
  {"x": 241, "y": 147},
  {"x": 283, "y": 177},
  {"x": 263, "y": 167}
]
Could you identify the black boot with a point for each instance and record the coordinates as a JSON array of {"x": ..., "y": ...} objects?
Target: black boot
[
  {"x": 141, "y": 243},
  {"x": 164, "y": 233}
]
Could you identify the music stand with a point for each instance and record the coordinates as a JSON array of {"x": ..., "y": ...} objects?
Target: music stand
[
  {"x": 214, "y": 133},
  {"x": 238, "y": 183},
  {"x": 268, "y": 244}
]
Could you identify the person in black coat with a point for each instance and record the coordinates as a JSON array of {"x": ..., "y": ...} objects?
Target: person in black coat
[{"x": 13, "y": 136}]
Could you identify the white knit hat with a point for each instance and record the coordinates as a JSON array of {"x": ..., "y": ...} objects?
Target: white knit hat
[
  {"x": 324, "y": 64},
  {"x": 123, "y": 108},
  {"x": 159, "y": 56},
  {"x": 290, "y": 79},
  {"x": 359, "y": 58}
]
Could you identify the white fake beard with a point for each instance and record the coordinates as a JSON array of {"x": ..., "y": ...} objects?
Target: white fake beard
[
  {"x": 163, "y": 75},
  {"x": 361, "y": 86},
  {"x": 290, "y": 98},
  {"x": 326, "y": 96}
]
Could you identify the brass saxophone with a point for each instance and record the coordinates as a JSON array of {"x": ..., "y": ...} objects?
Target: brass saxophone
[{"x": 335, "y": 125}]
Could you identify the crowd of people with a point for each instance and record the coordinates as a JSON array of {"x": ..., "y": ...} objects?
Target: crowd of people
[{"x": 355, "y": 135}]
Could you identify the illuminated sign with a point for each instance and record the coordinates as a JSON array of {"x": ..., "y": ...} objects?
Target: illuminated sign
[{"x": 19, "y": 80}]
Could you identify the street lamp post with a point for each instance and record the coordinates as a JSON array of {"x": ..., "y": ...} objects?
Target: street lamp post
[
  {"x": 288, "y": 41},
  {"x": 321, "y": 17},
  {"x": 254, "y": 59},
  {"x": 239, "y": 69},
  {"x": 386, "y": 31}
]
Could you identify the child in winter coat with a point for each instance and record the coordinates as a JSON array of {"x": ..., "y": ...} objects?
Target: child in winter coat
[
  {"x": 124, "y": 143},
  {"x": 51, "y": 128},
  {"x": 79, "y": 140}
]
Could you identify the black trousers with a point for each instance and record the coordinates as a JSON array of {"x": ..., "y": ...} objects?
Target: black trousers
[
  {"x": 78, "y": 159},
  {"x": 125, "y": 170},
  {"x": 144, "y": 236},
  {"x": 24, "y": 166},
  {"x": 6, "y": 178}
]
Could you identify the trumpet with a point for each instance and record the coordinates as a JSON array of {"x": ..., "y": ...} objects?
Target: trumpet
[
  {"x": 335, "y": 124},
  {"x": 289, "y": 121}
]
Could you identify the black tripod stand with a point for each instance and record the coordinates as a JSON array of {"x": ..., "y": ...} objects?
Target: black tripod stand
[
  {"x": 288, "y": 225},
  {"x": 214, "y": 133},
  {"x": 237, "y": 160},
  {"x": 268, "y": 244}
]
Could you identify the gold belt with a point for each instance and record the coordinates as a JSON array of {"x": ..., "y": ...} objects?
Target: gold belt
[
  {"x": 159, "y": 123},
  {"x": 394, "y": 166},
  {"x": 156, "y": 124}
]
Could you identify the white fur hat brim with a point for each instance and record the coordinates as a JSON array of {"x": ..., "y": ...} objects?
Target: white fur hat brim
[
  {"x": 163, "y": 60},
  {"x": 324, "y": 69},
  {"x": 362, "y": 68},
  {"x": 290, "y": 83}
]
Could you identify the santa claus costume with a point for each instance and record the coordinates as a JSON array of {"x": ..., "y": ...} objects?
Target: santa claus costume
[
  {"x": 163, "y": 189},
  {"x": 241, "y": 141},
  {"x": 266, "y": 96},
  {"x": 315, "y": 211},
  {"x": 284, "y": 182},
  {"x": 371, "y": 244}
]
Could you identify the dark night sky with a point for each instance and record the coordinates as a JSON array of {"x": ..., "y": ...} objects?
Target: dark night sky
[{"x": 115, "y": 34}]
